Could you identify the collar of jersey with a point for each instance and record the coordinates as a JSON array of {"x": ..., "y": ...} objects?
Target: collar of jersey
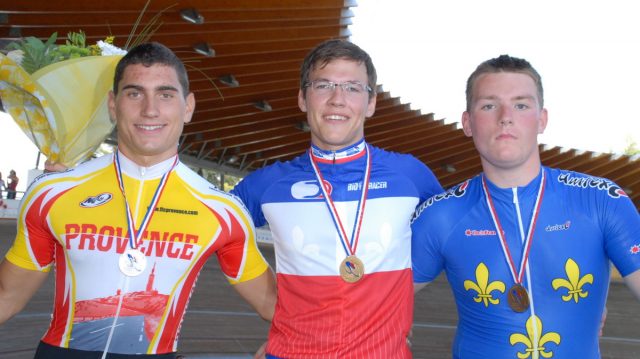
[
  {"x": 134, "y": 170},
  {"x": 343, "y": 155},
  {"x": 506, "y": 194}
]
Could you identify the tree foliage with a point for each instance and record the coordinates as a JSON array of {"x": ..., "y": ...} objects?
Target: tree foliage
[{"x": 632, "y": 147}]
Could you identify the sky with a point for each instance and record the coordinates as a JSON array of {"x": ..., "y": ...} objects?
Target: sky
[
  {"x": 588, "y": 53},
  {"x": 16, "y": 152}
]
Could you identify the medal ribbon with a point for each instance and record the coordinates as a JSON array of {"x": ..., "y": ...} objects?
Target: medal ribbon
[
  {"x": 349, "y": 244},
  {"x": 517, "y": 276},
  {"x": 134, "y": 237}
]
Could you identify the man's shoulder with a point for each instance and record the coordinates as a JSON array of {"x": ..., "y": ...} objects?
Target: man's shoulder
[
  {"x": 201, "y": 188},
  {"x": 403, "y": 163},
  {"x": 77, "y": 173},
  {"x": 195, "y": 181},
  {"x": 56, "y": 183},
  {"x": 583, "y": 184},
  {"x": 278, "y": 170},
  {"x": 454, "y": 200},
  {"x": 393, "y": 157}
]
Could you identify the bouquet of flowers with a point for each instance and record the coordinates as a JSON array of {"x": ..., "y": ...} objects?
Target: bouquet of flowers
[{"x": 58, "y": 94}]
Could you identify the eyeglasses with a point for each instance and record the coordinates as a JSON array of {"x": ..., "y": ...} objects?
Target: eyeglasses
[{"x": 350, "y": 88}]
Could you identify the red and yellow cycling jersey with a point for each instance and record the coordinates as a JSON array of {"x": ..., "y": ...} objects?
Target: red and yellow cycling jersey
[{"x": 77, "y": 222}]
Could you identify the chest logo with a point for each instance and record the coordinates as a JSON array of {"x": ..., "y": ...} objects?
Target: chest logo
[
  {"x": 309, "y": 189},
  {"x": 534, "y": 336},
  {"x": 573, "y": 283},
  {"x": 558, "y": 227},
  {"x": 483, "y": 287},
  {"x": 96, "y": 201}
]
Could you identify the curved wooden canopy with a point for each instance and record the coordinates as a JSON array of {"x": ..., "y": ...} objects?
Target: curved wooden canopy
[{"x": 258, "y": 47}]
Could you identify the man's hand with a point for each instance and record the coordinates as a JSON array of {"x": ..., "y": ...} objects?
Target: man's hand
[
  {"x": 262, "y": 352},
  {"x": 54, "y": 166},
  {"x": 602, "y": 320}
]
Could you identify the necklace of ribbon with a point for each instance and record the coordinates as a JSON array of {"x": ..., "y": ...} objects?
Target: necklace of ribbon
[
  {"x": 348, "y": 243},
  {"x": 135, "y": 236},
  {"x": 517, "y": 276}
]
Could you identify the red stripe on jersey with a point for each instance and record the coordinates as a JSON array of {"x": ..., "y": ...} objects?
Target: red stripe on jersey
[
  {"x": 325, "y": 317},
  {"x": 58, "y": 326},
  {"x": 233, "y": 252},
  {"x": 36, "y": 222},
  {"x": 167, "y": 340}
]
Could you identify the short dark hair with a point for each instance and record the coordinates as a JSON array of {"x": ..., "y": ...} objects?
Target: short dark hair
[
  {"x": 148, "y": 54},
  {"x": 334, "y": 49},
  {"x": 504, "y": 63}
]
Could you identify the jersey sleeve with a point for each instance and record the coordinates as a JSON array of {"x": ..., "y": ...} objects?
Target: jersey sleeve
[
  {"x": 422, "y": 176},
  {"x": 239, "y": 258},
  {"x": 34, "y": 244},
  {"x": 621, "y": 227},
  {"x": 426, "y": 259},
  {"x": 249, "y": 191}
]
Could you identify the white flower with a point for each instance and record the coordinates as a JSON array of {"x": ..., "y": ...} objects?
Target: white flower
[
  {"x": 108, "y": 49},
  {"x": 16, "y": 56}
]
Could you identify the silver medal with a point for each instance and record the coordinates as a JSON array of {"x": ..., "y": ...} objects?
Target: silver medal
[{"x": 132, "y": 262}]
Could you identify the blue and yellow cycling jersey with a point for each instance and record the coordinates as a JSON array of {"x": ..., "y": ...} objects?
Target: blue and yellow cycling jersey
[{"x": 583, "y": 223}]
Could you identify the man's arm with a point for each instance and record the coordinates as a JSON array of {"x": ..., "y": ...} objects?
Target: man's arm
[
  {"x": 260, "y": 293},
  {"x": 17, "y": 286},
  {"x": 633, "y": 282}
]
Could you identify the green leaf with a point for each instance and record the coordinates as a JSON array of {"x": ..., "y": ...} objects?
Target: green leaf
[{"x": 37, "y": 54}]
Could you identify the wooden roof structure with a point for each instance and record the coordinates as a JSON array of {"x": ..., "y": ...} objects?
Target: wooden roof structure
[{"x": 252, "y": 49}]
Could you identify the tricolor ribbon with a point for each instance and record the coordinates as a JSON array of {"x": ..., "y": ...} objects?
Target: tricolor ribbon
[
  {"x": 517, "y": 276},
  {"x": 348, "y": 243},
  {"x": 134, "y": 236}
]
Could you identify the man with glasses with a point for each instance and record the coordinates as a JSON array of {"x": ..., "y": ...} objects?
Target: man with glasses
[{"x": 342, "y": 248}]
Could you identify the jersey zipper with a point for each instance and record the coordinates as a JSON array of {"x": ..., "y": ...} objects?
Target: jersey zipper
[{"x": 516, "y": 204}]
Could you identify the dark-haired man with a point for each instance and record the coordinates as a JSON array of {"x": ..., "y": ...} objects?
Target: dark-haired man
[{"x": 128, "y": 233}]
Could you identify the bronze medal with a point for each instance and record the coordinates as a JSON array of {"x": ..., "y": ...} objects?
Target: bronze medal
[
  {"x": 351, "y": 269},
  {"x": 518, "y": 298}
]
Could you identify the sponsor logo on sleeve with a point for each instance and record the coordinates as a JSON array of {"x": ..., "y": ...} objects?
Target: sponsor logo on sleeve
[
  {"x": 457, "y": 191},
  {"x": 635, "y": 249},
  {"x": 602, "y": 184}
]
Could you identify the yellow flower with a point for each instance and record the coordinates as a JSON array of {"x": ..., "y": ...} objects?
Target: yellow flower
[{"x": 62, "y": 107}]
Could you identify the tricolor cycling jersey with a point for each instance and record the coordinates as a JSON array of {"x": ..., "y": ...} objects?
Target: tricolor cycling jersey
[
  {"x": 583, "y": 222},
  {"x": 318, "y": 314},
  {"x": 77, "y": 221}
]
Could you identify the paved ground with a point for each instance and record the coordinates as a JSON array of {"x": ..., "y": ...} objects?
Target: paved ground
[{"x": 219, "y": 325}]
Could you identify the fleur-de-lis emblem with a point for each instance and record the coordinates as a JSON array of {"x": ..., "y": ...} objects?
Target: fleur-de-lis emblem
[
  {"x": 483, "y": 287},
  {"x": 534, "y": 340},
  {"x": 574, "y": 284}
]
